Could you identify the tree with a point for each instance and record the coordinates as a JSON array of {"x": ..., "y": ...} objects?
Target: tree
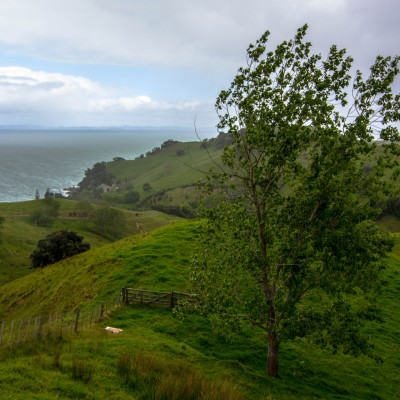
[
  {"x": 37, "y": 194},
  {"x": 132, "y": 196},
  {"x": 48, "y": 208},
  {"x": 85, "y": 210},
  {"x": 95, "y": 176},
  {"x": 56, "y": 246},
  {"x": 146, "y": 187},
  {"x": 109, "y": 222},
  {"x": 292, "y": 240}
]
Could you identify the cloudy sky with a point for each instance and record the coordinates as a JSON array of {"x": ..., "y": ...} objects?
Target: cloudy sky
[{"x": 159, "y": 62}]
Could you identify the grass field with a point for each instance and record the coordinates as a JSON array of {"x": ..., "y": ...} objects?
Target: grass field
[
  {"x": 19, "y": 236},
  {"x": 155, "y": 345}
]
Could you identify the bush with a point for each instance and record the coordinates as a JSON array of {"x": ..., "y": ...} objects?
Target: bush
[
  {"x": 56, "y": 246},
  {"x": 131, "y": 197}
]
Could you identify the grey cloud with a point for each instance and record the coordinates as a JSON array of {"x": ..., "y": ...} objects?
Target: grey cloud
[{"x": 209, "y": 35}]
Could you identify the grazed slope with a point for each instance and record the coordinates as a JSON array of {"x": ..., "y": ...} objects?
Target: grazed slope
[
  {"x": 156, "y": 260},
  {"x": 19, "y": 236}
]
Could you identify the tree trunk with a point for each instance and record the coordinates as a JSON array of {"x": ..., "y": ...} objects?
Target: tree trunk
[{"x": 273, "y": 355}]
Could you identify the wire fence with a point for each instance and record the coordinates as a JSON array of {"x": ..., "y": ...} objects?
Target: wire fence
[{"x": 63, "y": 324}]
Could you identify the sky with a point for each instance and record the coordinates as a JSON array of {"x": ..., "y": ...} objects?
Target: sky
[{"x": 160, "y": 63}]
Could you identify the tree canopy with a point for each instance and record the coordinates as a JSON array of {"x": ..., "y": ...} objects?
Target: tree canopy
[
  {"x": 291, "y": 241},
  {"x": 56, "y": 246}
]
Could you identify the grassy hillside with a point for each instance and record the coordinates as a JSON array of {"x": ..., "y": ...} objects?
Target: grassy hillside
[
  {"x": 161, "y": 344},
  {"x": 19, "y": 235}
]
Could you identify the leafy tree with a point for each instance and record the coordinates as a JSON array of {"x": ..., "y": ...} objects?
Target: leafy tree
[
  {"x": 95, "y": 176},
  {"x": 56, "y": 246},
  {"x": 147, "y": 187},
  {"x": 37, "y": 194},
  {"x": 85, "y": 210},
  {"x": 47, "y": 210},
  {"x": 292, "y": 240},
  {"x": 131, "y": 197},
  {"x": 109, "y": 222}
]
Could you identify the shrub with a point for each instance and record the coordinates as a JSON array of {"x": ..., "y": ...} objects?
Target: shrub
[{"x": 57, "y": 246}]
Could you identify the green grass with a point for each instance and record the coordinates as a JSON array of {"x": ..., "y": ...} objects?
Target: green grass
[
  {"x": 165, "y": 170},
  {"x": 92, "y": 364},
  {"x": 391, "y": 222},
  {"x": 156, "y": 260},
  {"x": 19, "y": 236}
]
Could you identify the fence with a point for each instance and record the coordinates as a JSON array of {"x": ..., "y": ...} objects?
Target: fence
[
  {"x": 62, "y": 324},
  {"x": 169, "y": 299},
  {"x": 80, "y": 319}
]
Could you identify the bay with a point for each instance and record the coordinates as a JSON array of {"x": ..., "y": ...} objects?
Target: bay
[{"x": 55, "y": 159}]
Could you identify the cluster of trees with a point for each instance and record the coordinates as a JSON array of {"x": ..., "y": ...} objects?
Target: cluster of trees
[
  {"x": 155, "y": 150},
  {"x": 56, "y": 246},
  {"x": 46, "y": 211},
  {"x": 95, "y": 176},
  {"x": 104, "y": 221},
  {"x": 179, "y": 211},
  {"x": 298, "y": 242}
]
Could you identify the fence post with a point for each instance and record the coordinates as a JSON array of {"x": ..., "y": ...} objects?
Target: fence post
[
  {"x": 66, "y": 324},
  {"x": 19, "y": 330},
  {"x": 48, "y": 324},
  {"x": 141, "y": 297},
  {"x": 40, "y": 325},
  {"x": 27, "y": 328},
  {"x": 1, "y": 333},
  {"x": 34, "y": 327},
  {"x": 172, "y": 299},
  {"x": 123, "y": 296},
  {"x": 72, "y": 323},
  {"x": 55, "y": 324},
  {"x": 61, "y": 325},
  {"x": 11, "y": 331},
  {"x": 101, "y": 309},
  {"x": 76, "y": 320}
]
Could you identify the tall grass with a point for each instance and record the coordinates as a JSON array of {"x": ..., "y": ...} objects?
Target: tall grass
[{"x": 154, "y": 378}]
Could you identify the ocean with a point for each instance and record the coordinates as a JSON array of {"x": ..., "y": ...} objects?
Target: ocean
[{"x": 55, "y": 159}]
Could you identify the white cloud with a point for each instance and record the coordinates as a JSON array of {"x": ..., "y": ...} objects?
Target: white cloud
[{"x": 47, "y": 97}]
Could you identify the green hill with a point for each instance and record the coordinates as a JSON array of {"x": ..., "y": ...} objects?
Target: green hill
[
  {"x": 20, "y": 236},
  {"x": 160, "y": 344}
]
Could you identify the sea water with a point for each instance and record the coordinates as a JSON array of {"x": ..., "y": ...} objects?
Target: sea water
[{"x": 56, "y": 159}]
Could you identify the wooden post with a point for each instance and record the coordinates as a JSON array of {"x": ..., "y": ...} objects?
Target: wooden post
[
  {"x": 55, "y": 324},
  {"x": 72, "y": 322},
  {"x": 48, "y": 324},
  {"x": 11, "y": 331},
  {"x": 1, "y": 332},
  {"x": 123, "y": 295},
  {"x": 34, "y": 327},
  {"x": 106, "y": 307},
  {"x": 66, "y": 324},
  {"x": 27, "y": 328},
  {"x": 141, "y": 297},
  {"x": 61, "y": 325},
  {"x": 40, "y": 326},
  {"x": 76, "y": 320},
  {"x": 172, "y": 299},
  {"x": 19, "y": 330},
  {"x": 101, "y": 309}
]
